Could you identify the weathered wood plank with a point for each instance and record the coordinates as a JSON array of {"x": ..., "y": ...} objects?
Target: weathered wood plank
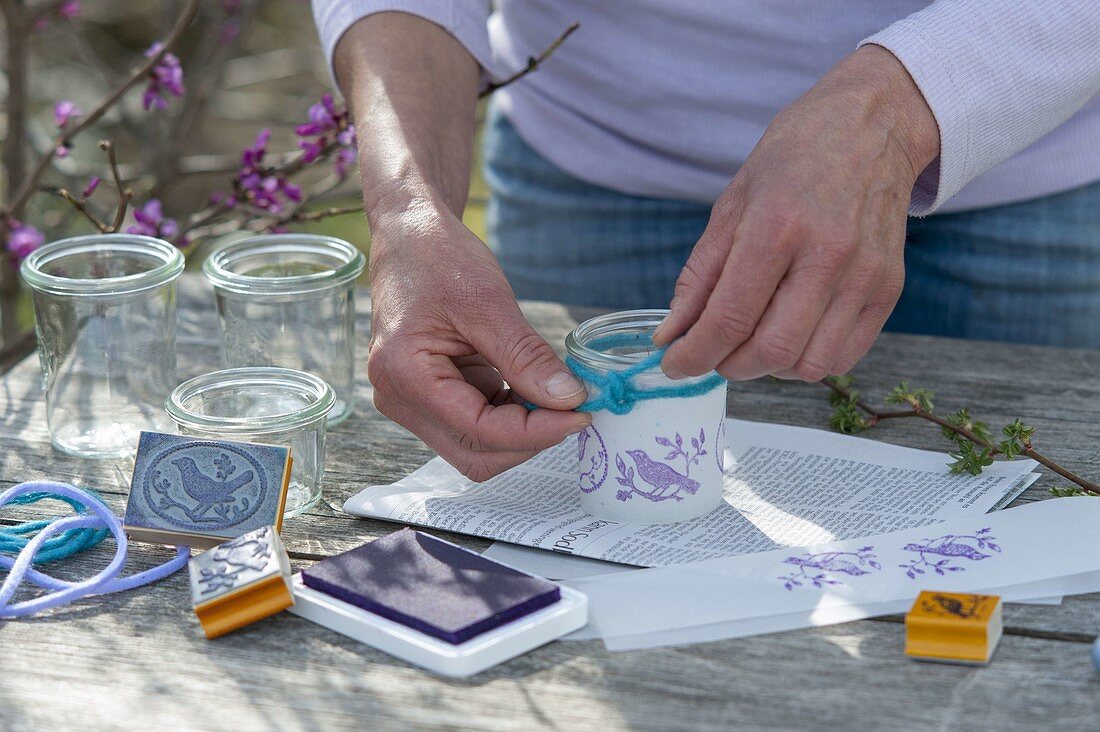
[{"x": 286, "y": 673}]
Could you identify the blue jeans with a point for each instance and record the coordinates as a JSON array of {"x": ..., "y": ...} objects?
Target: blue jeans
[{"x": 1024, "y": 272}]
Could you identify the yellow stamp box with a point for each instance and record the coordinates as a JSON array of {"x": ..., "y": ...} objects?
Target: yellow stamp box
[{"x": 953, "y": 627}]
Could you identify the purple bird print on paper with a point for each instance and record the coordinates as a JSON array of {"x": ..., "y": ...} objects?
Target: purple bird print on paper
[
  {"x": 974, "y": 547},
  {"x": 853, "y": 564},
  {"x": 665, "y": 482}
]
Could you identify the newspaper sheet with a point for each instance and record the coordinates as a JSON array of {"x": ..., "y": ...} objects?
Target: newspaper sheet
[{"x": 785, "y": 486}]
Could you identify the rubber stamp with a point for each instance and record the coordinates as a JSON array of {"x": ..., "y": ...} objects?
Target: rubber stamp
[
  {"x": 953, "y": 627},
  {"x": 435, "y": 604},
  {"x": 241, "y": 581},
  {"x": 199, "y": 493}
]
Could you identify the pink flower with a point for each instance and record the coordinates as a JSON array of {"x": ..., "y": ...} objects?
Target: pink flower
[
  {"x": 165, "y": 78},
  {"x": 329, "y": 128},
  {"x": 65, "y": 112},
  {"x": 22, "y": 239},
  {"x": 151, "y": 221},
  {"x": 69, "y": 10},
  {"x": 89, "y": 189},
  {"x": 258, "y": 184}
]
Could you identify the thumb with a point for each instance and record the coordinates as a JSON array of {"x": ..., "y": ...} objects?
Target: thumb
[{"x": 526, "y": 361}]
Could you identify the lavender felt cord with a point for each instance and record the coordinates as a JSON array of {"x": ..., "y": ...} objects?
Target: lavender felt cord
[{"x": 105, "y": 581}]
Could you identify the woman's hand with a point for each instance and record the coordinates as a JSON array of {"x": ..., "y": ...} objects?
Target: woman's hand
[
  {"x": 446, "y": 333},
  {"x": 802, "y": 260}
]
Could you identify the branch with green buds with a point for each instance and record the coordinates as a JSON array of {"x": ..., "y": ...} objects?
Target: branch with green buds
[{"x": 976, "y": 446}]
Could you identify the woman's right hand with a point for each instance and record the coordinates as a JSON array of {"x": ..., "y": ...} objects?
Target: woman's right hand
[{"x": 446, "y": 334}]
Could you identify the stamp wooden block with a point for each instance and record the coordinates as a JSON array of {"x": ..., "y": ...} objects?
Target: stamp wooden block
[
  {"x": 953, "y": 627},
  {"x": 241, "y": 581},
  {"x": 199, "y": 493}
]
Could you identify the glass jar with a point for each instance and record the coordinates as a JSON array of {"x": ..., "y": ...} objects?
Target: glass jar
[
  {"x": 289, "y": 300},
  {"x": 272, "y": 406},
  {"x": 662, "y": 461},
  {"x": 105, "y": 315}
]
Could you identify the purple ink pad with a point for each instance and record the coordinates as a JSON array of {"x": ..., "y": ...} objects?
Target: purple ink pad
[{"x": 431, "y": 585}]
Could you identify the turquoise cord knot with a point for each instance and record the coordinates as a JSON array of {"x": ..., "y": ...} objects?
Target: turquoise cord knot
[{"x": 617, "y": 391}]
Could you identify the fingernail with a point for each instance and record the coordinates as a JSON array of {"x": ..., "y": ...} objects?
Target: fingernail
[
  {"x": 661, "y": 328},
  {"x": 673, "y": 373},
  {"x": 563, "y": 385}
]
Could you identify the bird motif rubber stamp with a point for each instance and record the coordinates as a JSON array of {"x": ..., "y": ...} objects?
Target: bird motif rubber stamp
[{"x": 206, "y": 491}]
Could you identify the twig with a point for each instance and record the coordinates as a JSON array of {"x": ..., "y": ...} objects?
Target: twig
[
  {"x": 324, "y": 213},
  {"x": 125, "y": 193},
  {"x": 82, "y": 207},
  {"x": 875, "y": 415},
  {"x": 533, "y": 61},
  {"x": 29, "y": 185}
]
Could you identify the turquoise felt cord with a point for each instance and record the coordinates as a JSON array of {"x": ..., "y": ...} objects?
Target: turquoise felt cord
[
  {"x": 13, "y": 539},
  {"x": 617, "y": 392}
]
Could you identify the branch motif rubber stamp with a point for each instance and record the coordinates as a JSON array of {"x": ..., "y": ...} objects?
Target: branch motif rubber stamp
[
  {"x": 819, "y": 569},
  {"x": 950, "y": 547},
  {"x": 240, "y": 581}
]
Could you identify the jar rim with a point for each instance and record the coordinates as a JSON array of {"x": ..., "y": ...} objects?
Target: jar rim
[
  {"x": 170, "y": 267},
  {"x": 579, "y": 341},
  {"x": 322, "y": 394},
  {"x": 218, "y": 266}
]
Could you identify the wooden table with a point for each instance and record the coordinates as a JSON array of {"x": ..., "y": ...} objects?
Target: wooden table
[{"x": 139, "y": 660}]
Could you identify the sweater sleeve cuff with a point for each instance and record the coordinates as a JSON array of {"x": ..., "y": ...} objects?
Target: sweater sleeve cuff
[
  {"x": 948, "y": 173},
  {"x": 466, "y": 21}
]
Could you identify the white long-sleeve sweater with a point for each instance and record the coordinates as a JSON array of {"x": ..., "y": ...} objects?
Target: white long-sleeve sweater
[{"x": 667, "y": 99}]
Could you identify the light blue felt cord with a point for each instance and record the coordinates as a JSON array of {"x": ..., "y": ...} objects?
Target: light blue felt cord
[
  {"x": 617, "y": 391},
  {"x": 13, "y": 539},
  {"x": 105, "y": 581}
]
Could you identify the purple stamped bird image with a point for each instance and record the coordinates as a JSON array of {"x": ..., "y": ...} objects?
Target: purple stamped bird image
[
  {"x": 206, "y": 491},
  {"x": 947, "y": 549},
  {"x": 665, "y": 480},
  {"x": 829, "y": 562}
]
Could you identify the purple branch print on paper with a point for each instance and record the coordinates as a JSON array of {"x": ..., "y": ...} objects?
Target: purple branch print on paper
[
  {"x": 676, "y": 449},
  {"x": 949, "y": 547},
  {"x": 816, "y": 569},
  {"x": 593, "y": 471}
]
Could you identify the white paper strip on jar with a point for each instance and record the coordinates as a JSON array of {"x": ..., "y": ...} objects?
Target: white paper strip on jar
[{"x": 661, "y": 461}]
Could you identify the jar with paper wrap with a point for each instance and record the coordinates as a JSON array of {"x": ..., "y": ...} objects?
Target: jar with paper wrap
[{"x": 654, "y": 451}]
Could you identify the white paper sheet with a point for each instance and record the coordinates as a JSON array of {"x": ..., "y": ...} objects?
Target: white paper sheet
[
  {"x": 785, "y": 486},
  {"x": 1034, "y": 551}
]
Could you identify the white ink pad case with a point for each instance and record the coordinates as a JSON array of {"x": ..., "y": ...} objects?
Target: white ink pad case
[{"x": 414, "y": 578}]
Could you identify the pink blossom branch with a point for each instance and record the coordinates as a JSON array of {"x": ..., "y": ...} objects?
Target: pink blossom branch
[{"x": 29, "y": 185}]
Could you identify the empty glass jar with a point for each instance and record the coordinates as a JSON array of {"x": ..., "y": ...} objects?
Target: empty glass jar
[
  {"x": 271, "y": 406},
  {"x": 105, "y": 314},
  {"x": 289, "y": 300},
  {"x": 661, "y": 461}
]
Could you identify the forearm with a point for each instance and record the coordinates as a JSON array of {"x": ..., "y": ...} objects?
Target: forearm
[
  {"x": 997, "y": 75},
  {"x": 413, "y": 92}
]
